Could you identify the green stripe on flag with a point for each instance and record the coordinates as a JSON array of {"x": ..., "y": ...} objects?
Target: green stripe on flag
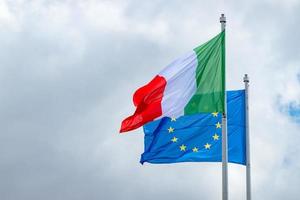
[{"x": 210, "y": 77}]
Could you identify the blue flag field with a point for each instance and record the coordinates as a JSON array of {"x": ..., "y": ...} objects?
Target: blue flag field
[{"x": 198, "y": 138}]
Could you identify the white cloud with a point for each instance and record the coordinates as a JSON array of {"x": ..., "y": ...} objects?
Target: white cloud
[
  {"x": 110, "y": 16},
  {"x": 68, "y": 72},
  {"x": 289, "y": 83},
  {"x": 7, "y": 18}
]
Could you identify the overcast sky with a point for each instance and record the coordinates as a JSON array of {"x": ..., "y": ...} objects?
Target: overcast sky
[{"x": 68, "y": 70}]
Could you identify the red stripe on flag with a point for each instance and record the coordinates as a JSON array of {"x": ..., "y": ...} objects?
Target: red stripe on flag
[{"x": 147, "y": 100}]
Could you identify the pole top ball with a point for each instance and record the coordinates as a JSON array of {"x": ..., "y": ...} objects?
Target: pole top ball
[
  {"x": 246, "y": 78},
  {"x": 223, "y": 18}
]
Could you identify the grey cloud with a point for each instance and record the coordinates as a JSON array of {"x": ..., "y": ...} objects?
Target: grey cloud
[{"x": 65, "y": 87}]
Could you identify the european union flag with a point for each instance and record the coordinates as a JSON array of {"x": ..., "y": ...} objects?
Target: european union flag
[{"x": 197, "y": 138}]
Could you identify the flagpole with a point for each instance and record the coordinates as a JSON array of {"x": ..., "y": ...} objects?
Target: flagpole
[
  {"x": 224, "y": 132},
  {"x": 248, "y": 171}
]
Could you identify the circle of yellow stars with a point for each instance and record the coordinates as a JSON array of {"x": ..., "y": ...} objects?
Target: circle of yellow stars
[{"x": 207, "y": 146}]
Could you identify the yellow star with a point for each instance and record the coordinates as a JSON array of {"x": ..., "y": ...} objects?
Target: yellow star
[
  {"x": 182, "y": 148},
  {"x": 207, "y": 146},
  {"x": 215, "y": 114},
  {"x": 218, "y": 125},
  {"x": 216, "y": 137},
  {"x": 171, "y": 130},
  {"x": 174, "y": 139},
  {"x": 195, "y": 149},
  {"x": 173, "y": 119}
]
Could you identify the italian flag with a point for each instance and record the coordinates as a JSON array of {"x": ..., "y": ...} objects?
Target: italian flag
[{"x": 193, "y": 83}]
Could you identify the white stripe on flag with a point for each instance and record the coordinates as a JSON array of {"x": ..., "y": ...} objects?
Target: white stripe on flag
[{"x": 181, "y": 84}]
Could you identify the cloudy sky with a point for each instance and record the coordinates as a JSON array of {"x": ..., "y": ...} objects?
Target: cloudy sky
[{"x": 68, "y": 70}]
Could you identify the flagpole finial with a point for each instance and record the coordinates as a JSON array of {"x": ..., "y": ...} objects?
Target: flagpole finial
[
  {"x": 246, "y": 78},
  {"x": 223, "y": 21},
  {"x": 222, "y": 18}
]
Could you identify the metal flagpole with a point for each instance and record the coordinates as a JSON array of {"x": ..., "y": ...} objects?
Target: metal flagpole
[
  {"x": 248, "y": 172},
  {"x": 224, "y": 134}
]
